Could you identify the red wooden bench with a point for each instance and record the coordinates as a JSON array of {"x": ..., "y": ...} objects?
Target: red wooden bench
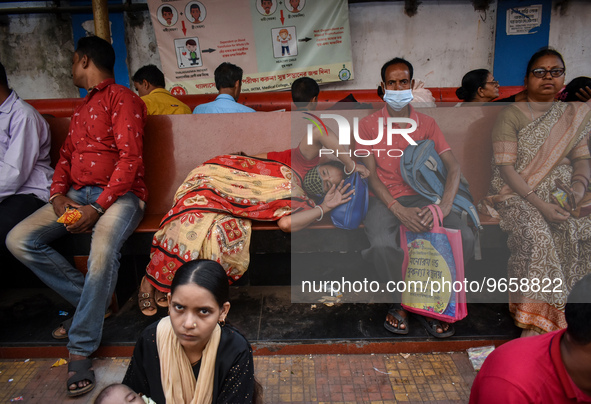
[
  {"x": 175, "y": 144},
  {"x": 64, "y": 107}
]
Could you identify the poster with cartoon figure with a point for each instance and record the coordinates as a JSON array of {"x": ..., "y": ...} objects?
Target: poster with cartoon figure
[
  {"x": 284, "y": 42},
  {"x": 273, "y": 41},
  {"x": 195, "y": 12},
  {"x": 295, "y": 6},
  {"x": 168, "y": 16},
  {"x": 187, "y": 52},
  {"x": 266, "y": 7}
]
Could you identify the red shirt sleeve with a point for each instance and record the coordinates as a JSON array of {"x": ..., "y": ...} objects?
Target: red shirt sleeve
[
  {"x": 436, "y": 135},
  {"x": 61, "y": 181},
  {"x": 128, "y": 120}
]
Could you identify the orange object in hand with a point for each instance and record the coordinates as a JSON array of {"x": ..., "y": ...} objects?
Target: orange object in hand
[{"x": 71, "y": 216}]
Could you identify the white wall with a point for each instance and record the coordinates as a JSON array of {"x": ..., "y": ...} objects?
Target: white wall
[
  {"x": 443, "y": 41},
  {"x": 446, "y": 39},
  {"x": 570, "y": 34},
  {"x": 36, "y": 51},
  {"x": 142, "y": 48}
]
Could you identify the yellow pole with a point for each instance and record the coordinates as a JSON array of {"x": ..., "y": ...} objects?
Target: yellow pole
[{"x": 100, "y": 12}]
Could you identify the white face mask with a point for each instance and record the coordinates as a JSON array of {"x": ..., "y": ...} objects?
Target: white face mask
[{"x": 398, "y": 99}]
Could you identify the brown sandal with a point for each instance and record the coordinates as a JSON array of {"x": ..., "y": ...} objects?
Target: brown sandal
[
  {"x": 161, "y": 299},
  {"x": 146, "y": 300}
]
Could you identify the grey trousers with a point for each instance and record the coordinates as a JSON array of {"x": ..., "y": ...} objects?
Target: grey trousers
[{"x": 382, "y": 229}]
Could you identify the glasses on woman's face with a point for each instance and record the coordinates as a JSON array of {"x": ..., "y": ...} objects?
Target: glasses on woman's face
[
  {"x": 541, "y": 72},
  {"x": 494, "y": 82}
]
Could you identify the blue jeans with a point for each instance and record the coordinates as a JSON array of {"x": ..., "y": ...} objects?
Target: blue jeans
[{"x": 29, "y": 243}]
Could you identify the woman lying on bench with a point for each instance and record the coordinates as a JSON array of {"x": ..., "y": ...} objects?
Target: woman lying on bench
[{"x": 213, "y": 208}]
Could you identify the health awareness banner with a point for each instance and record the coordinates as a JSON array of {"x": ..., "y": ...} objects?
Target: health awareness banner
[{"x": 273, "y": 41}]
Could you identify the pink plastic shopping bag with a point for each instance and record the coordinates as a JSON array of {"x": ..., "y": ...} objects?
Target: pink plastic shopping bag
[{"x": 433, "y": 271}]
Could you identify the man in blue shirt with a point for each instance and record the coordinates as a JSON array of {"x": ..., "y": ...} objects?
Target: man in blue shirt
[
  {"x": 25, "y": 173},
  {"x": 228, "y": 81}
]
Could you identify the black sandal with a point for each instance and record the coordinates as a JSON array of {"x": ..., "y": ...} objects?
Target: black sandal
[
  {"x": 82, "y": 372},
  {"x": 393, "y": 311},
  {"x": 432, "y": 324}
]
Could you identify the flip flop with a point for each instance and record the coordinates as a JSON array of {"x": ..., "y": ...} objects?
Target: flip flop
[
  {"x": 401, "y": 320},
  {"x": 66, "y": 326},
  {"x": 68, "y": 323},
  {"x": 432, "y": 325},
  {"x": 82, "y": 372}
]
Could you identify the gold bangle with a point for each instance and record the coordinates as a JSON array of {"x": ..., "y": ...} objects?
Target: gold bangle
[
  {"x": 529, "y": 193},
  {"x": 392, "y": 203}
]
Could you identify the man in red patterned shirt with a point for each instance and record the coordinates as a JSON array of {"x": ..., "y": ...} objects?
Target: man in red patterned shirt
[{"x": 101, "y": 174}]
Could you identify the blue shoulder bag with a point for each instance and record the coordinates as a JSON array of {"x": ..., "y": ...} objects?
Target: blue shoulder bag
[{"x": 349, "y": 215}]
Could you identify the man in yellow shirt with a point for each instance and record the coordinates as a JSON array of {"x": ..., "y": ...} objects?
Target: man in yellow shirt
[{"x": 149, "y": 83}]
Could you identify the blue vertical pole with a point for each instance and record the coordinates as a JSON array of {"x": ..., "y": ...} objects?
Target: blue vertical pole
[{"x": 117, "y": 35}]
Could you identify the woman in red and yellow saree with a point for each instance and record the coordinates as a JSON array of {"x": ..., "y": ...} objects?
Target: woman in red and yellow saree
[
  {"x": 212, "y": 212},
  {"x": 536, "y": 143},
  {"x": 212, "y": 209}
]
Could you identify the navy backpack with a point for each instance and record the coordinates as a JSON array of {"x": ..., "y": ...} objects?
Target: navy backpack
[{"x": 422, "y": 169}]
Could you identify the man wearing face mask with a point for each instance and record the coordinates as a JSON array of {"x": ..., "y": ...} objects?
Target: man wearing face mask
[{"x": 394, "y": 202}]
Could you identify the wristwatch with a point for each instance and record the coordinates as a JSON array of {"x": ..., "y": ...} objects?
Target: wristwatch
[{"x": 98, "y": 208}]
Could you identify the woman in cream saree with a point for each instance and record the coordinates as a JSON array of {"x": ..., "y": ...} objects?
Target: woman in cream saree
[{"x": 535, "y": 144}]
